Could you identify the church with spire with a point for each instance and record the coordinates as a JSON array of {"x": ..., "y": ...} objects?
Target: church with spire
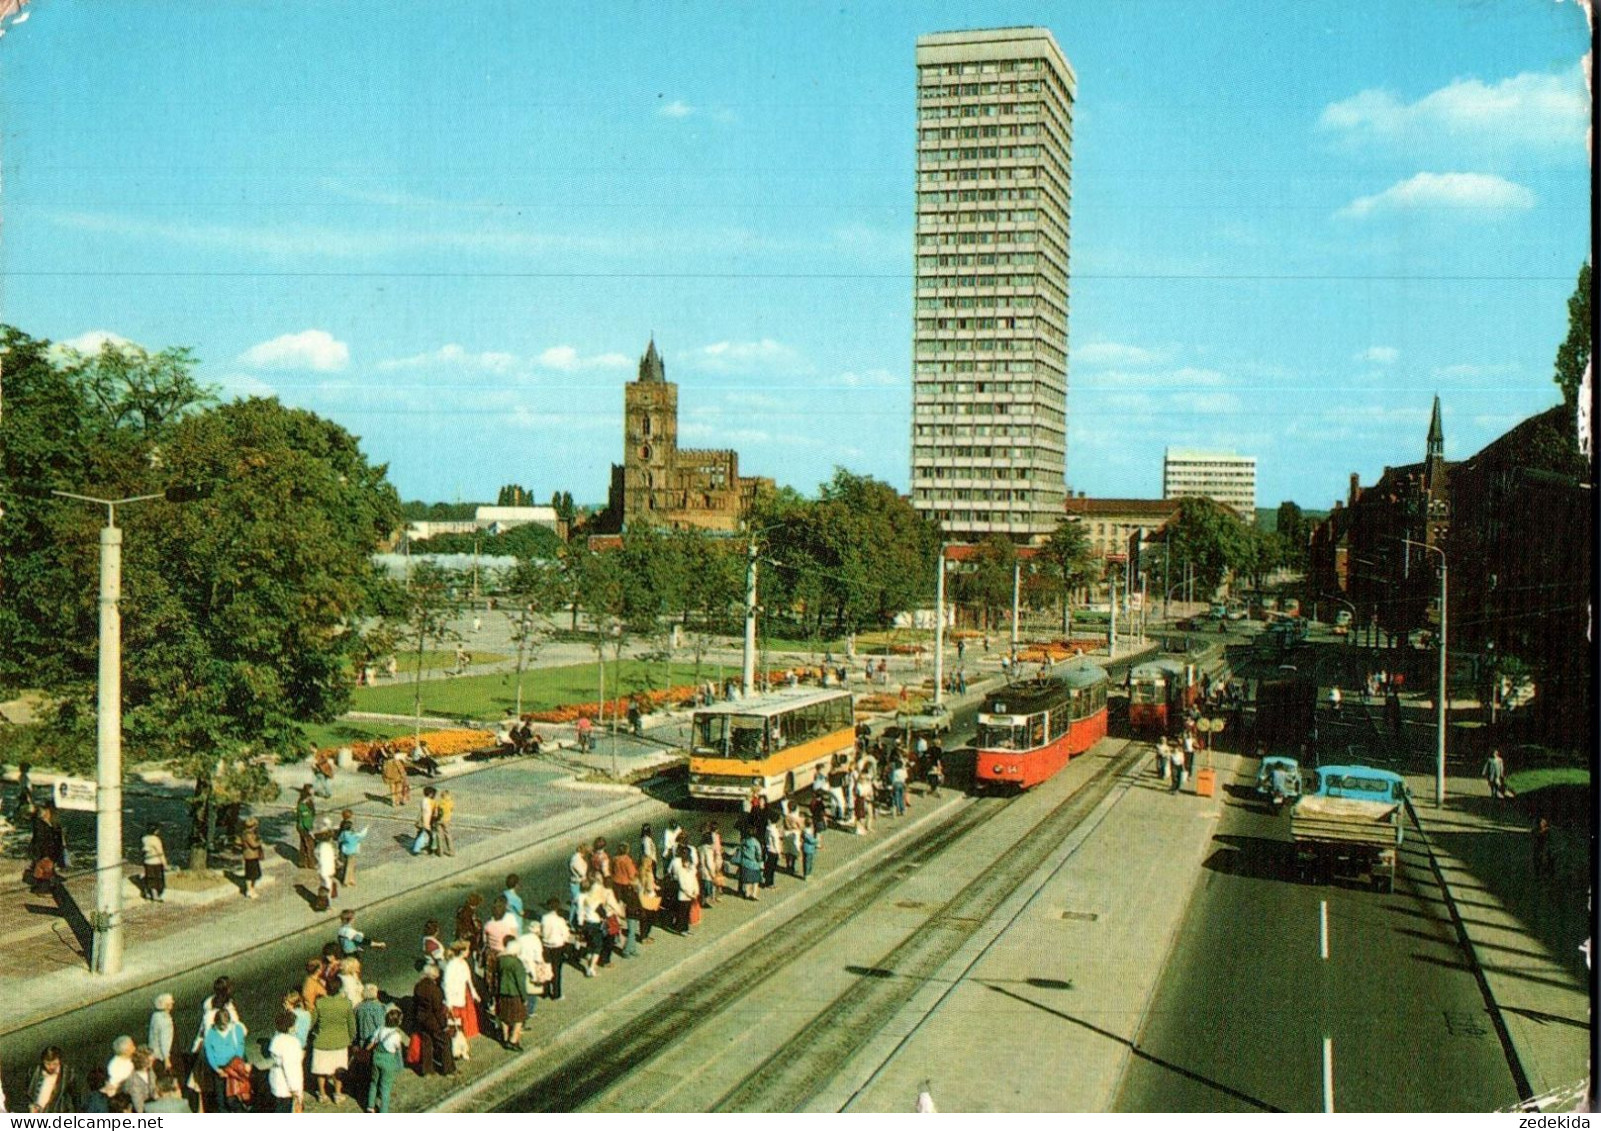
[
  {"x": 1367, "y": 549},
  {"x": 660, "y": 484}
]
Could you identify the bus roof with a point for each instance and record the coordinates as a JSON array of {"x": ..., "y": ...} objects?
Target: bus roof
[{"x": 776, "y": 702}]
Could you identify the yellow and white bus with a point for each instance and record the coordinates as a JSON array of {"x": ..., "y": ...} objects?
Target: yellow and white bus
[{"x": 775, "y": 743}]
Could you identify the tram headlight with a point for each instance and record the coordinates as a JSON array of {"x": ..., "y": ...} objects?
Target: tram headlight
[{"x": 998, "y": 768}]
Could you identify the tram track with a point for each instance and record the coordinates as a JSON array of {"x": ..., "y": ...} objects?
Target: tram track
[
  {"x": 796, "y": 1073},
  {"x": 603, "y": 1065}
]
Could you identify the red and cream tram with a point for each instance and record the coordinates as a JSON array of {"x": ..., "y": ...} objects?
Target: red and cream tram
[
  {"x": 1028, "y": 730},
  {"x": 1159, "y": 692}
]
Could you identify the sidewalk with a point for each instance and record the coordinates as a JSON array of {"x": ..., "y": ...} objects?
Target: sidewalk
[
  {"x": 502, "y": 808},
  {"x": 1522, "y": 930}
]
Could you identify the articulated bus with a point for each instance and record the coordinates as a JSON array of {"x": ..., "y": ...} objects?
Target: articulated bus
[
  {"x": 774, "y": 743},
  {"x": 1027, "y": 731}
]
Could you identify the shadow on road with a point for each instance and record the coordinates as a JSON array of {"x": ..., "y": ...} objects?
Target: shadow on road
[{"x": 1188, "y": 1074}]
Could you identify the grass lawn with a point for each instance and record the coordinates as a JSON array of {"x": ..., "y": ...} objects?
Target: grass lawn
[
  {"x": 1527, "y": 781},
  {"x": 489, "y": 696},
  {"x": 342, "y": 732}
]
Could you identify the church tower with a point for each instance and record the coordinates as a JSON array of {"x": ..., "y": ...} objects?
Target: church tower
[{"x": 650, "y": 440}]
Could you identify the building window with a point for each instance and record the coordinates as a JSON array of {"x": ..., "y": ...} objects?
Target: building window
[{"x": 644, "y": 451}]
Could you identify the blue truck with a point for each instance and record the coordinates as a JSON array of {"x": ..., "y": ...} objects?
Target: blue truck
[{"x": 1347, "y": 824}]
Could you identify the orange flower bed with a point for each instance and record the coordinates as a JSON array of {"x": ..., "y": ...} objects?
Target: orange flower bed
[
  {"x": 1054, "y": 651},
  {"x": 441, "y": 744}
]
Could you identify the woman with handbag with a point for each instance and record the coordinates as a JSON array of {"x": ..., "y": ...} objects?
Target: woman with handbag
[
  {"x": 650, "y": 899},
  {"x": 687, "y": 880},
  {"x": 592, "y": 902}
]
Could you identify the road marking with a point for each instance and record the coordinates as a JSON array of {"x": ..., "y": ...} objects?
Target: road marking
[
  {"x": 1328, "y": 1075},
  {"x": 1323, "y": 927}
]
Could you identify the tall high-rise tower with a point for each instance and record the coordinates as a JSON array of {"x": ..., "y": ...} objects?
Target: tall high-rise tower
[{"x": 989, "y": 393}]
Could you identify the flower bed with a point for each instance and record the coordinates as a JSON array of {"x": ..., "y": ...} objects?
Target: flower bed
[
  {"x": 441, "y": 744},
  {"x": 1054, "y": 651}
]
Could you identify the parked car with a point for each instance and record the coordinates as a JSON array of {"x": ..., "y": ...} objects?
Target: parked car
[{"x": 934, "y": 719}]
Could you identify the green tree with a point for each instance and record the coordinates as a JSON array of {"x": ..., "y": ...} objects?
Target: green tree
[
  {"x": 513, "y": 495},
  {"x": 528, "y": 540},
  {"x": 986, "y": 584},
  {"x": 1574, "y": 352},
  {"x": 1294, "y": 533},
  {"x": 1068, "y": 566},
  {"x": 246, "y": 597},
  {"x": 427, "y": 610},
  {"x": 236, "y": 607},
  {"x": 562, "y": 503},
  {"x": 1212, "y": 538},
  {"x": 533, "y": 590}
]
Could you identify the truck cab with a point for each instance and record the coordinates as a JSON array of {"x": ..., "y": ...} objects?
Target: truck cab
[{"x": 1357, "y": 783}]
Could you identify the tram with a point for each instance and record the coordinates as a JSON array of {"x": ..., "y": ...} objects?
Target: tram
[
  {"x": 1159, "y": 692},
  {"x": 1028, "y": 730}
]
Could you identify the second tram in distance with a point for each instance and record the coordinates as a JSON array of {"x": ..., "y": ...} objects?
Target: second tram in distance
[
  {"x": 1159, "y": 692},
  {"x": 1028, "y": 730}
]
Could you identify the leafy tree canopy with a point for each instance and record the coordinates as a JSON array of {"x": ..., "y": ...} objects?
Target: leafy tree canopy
[
  {"x": 1212, "y": 538},
  {"x": 1574, "y": 353},
  {"x": 528, "y": 541},
  {"x": 236, "y": 607}
]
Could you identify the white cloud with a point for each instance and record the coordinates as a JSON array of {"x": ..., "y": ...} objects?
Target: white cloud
[
  {"x": 567, "y": 359},
  {"x": 452, "y": 356},
  {"x": 244, "y": 385},
  {"x": 765, "y": 355},
  {"x": 1446, "y": 193},
  {"x": 1530, "y": 110},
  {"x": 309, "y": 349},
  {"x": 91, "y": 341},
  {"x": 1380, "y": 355},
  {"x": 676, "y": 109},
  {"x": 1115, "y": 353}
]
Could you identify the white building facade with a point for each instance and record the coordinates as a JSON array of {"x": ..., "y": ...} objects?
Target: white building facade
[
  {"x": 989, "y": 393},
  {"x": 1223, "y": 476}
]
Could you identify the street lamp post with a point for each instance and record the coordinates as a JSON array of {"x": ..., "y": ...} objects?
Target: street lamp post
[
  {"x": 1440, "y": 700},
  {"x": 106, "y": 951},
  {"x": 939, "y": 630}
]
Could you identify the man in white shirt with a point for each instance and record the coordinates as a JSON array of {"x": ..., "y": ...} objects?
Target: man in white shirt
[{"x": 556, "y": 937}]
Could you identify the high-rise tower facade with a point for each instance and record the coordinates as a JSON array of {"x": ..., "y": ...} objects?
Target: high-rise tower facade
[{"x": 989, "y": 382}]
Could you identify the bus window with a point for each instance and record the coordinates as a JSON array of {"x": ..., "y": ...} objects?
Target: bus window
[
  {"x": 747, "y": 736},
  {"x": 711, "y": 735}
]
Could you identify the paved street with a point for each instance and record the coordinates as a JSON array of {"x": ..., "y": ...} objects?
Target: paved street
[{"x": 1247, "y": 997}]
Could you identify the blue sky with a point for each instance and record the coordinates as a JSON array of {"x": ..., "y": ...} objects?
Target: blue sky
[{"x": 454, "y": 227}]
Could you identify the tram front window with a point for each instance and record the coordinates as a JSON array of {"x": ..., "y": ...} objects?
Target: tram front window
[
  {"x": 1150, "y": 692},
  {"x": 992, "y": 736}
]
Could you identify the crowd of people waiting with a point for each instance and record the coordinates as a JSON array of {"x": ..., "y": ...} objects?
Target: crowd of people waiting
[{"x": 336, "y": 1038}]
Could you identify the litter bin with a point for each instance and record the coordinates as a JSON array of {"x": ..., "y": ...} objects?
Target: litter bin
[{"x": 1205, "y": 782}]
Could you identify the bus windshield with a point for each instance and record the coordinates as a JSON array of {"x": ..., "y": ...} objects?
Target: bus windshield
[{"x": 730, "y": 736}]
